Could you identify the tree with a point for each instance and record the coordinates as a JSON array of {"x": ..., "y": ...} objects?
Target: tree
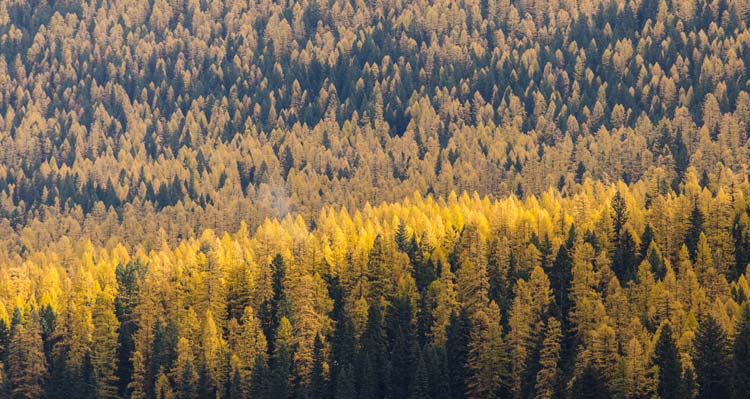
[
  {"x": 277, "y": 307},
  {"x": 486, "y": 361},
  {"x": 251, "y": 344},
  {"x": 546, "y": 386},
  {"x": 589, "y": 384},
  {"x": 741, "y": 355},
  {"x": 619, "y": 214},
  {"x": 694, "y": 231},
  {"x": 163, "y": 388},
  {"x": 420, "y": 384},
  {"x": 624, "y": 258},
  {"x": 402, "y": 344},
  {"x": 345, "y": 388},
  {"x": 26, "y": 363},
  {"x": 184, "y": 374},
  {"x": 666, "y": 358},
  {"x": 318, "y": 382},
  {"x": 457, "y": 348},
  {"x": 104, "y": 346},
  {"x": 128, "y": 276},
  {"x": 711, "y": 360},
  {"x": 373, "y": 357},
  {"x": 281, "y": 361}
]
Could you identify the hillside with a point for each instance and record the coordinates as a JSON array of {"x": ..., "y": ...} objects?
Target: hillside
[{"x": 374, "y": 199}]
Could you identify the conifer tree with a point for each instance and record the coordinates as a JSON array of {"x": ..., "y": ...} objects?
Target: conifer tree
[
  {"x": 281, "y": 361},
  {"x": 486, "y": 360},
  {"x": 318, "y": 382},
  {"x": 711, "y": 359},
  {"x": 26, "y": 363},
  {"x": 547, "y": 378},
  {"x": 741, "y": 355},
  {"x": 373, "y": 357},
  {"x": 105, "y": 344},
  {"x": 402, "y": 342},
  {"x": 457, "y": 348},
  {"x": 345, "y": 388},
  {"x": 184, "y": 373},
  {"x": 589, "y": 384},
  {"x": 666, "y": 358},
  {"x": 419, "y": 387}
]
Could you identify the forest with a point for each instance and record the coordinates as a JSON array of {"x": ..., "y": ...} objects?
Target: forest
[{"x": 309, "y": 199}]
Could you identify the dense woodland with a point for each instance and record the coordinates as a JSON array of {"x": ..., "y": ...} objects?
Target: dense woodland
[
  {"x": 375, "y": 199},
  {"x": 144, "y": 121}
]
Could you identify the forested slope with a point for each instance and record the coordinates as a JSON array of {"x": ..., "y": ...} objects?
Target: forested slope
[
  {"x": 592, "y": 294},
  {"x": 374, "y": 199},
  {"x": 186, "y": 115}
]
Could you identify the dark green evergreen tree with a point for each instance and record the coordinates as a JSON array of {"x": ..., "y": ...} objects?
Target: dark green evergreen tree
[
  {"x": 590, "y": 384},
  {"x": 260, "y": 382},
  {"x": 437, "y": 366},
  {"x": 741, "y": 358},
  {"x": 402, "y": 341},
  {"x": 457, "y": 350},
  {"x": 277, "y": 307},
  {"x": 345, "y": 388},
  {"x": 624, "y": 259},
  {"x": 373, "y": 357},
  {"x": 235, "y": 387},
  {"x": 420, "y": 384},
  {"x": 666, "y": 357},
  {"x": 128, "y": 277},
  {"x": 712, "y": 360},
  {"x": 318, "y": 382},
  {"x": 281, "y": 363},
  {"x": 343, "y": 347}
]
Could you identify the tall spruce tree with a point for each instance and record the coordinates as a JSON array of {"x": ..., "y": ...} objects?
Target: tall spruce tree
[
  {"x": 741, "y": 355},
  {"x": 667, "y": 358},
  {"x": 457, "y": 347},
  {"x": 712, "y": 360}
]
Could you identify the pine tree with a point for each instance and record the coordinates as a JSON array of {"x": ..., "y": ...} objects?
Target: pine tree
[
  {"x": 281, "y": 361},
  {"x": 183, "y": 373},
  {"x": 589, "y": 384},
  {"x": 318, "y": 382},
  {"x": 104, "y": 346},
  {"x": 619, "y": 214},
  {"x": 437, "y": 364},
  {"x": 549, "y": 357},
  {"x": 457, "y": 347},
  {"x": 419, "y": 387},
  {"x": 741, "y": 355},
  {"x": 345, "y": 388},
  {"x": 402, "y": 341},
  {"x": 252, "y": 343},
  {"x": 378, "y": 276},
  {"x": 128, "y": 277},
  {"x": 26, "y": 363},
  {"x": 486, "y": 360},
  {"x": 260, "y": 384},
  {"x": 278, "y": 306},
  {"x": 373, "y": 357},
  {"x": 343, "y": 347},
  {"x": 624, "y": 258},
  {"x": 85, "y": 376},
  {"x": 711, "y": 358},
  {"x": 235, "y": 386},
  {"x": 666, "y": 358}
]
